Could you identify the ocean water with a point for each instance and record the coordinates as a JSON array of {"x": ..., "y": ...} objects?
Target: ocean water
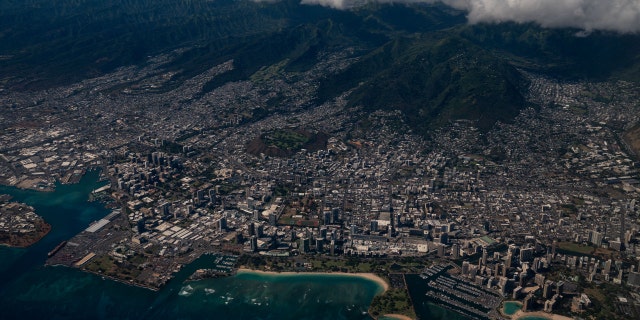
[
  {"x": 29, "y": 290},
  {"x": 68, "y": 212}
]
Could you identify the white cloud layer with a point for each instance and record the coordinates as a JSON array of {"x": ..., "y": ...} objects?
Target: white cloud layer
[{"x": 612, "y": 15}]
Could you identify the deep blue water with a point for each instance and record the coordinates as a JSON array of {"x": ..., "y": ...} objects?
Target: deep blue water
[{"x": 29, "y": 290}]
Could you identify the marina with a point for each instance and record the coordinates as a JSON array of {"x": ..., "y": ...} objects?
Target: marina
[
  {"x": 436, "y": 285},
  {"x": 223, "y": 266}
]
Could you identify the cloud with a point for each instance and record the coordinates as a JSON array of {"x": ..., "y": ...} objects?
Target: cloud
[
  {"x": 611, "y": 15},
  {"x": 336, "y": 4}
]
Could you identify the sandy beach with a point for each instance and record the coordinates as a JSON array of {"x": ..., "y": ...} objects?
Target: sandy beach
[
  {"x": 369, "y": 276},
  {"x": 398, "y": 316},
  {"x": 520, "y": 314}
]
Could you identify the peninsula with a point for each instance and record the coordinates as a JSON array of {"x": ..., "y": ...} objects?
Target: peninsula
[{"x": 20, "y": 226}]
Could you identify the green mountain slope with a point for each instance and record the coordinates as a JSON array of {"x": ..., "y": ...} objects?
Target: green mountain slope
[
  {"x": 562, "y": 53},
  {"x": 421, "y": 59},
  {"x": 433, "y": 80}
]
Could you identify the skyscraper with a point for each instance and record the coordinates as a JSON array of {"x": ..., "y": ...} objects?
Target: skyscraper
[
  {"x": 455, "y": 251},
  {"x": 212, "y": 196},
  {"x": 254, "y": 243}
]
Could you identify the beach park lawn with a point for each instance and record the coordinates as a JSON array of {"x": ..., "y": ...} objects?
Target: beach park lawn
[{"x": 392, "y": 301}]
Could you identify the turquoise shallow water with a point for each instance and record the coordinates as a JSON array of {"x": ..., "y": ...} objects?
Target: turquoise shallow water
[
  {"x": 68, "y": 294},
  {"x": 511, "y": 307},
  {"x": 68, "y": 212},
  {"x": 29, "y": 290}
]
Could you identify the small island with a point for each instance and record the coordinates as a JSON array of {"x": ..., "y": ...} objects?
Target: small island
[{"x": 20, "y": 226}]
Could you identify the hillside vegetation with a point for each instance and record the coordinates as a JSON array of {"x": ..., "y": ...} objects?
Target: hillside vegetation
[{"x": 421, "y": 59}]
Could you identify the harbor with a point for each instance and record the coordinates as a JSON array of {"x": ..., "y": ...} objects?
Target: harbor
[
  {"x": 223, "y": 266},
  {"x": 437, "y": 285}
]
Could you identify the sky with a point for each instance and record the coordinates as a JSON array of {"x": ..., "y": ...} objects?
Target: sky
[{"x": 621, "y": 16}]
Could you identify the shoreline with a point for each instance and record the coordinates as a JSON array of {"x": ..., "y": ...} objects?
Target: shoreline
[
  {"x": 396, "y": 316},
  {"x": 28, "y": 188},
  {"x": 112, "y": 278},
  {"x": 19, "y": 186},
  {"x": 502, "y": 311},
  {"x": 369, "y": 276},
  {"x": 29, "y": 244},
  {"x": 521, "y": 314}
]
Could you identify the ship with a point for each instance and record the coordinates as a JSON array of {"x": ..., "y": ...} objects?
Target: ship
[{"x": 56, "y": 249}]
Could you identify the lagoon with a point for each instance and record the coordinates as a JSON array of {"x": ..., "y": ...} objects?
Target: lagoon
[{"x": 511, "y": 307}]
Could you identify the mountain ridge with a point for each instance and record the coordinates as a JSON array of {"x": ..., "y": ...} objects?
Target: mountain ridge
[{"x": 418, "y": 58}]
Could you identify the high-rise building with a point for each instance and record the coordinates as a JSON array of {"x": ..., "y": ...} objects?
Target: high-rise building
[
  {"x": 521, "y": 279},
  {"x": 444, "y": 238},
  {"x": 559, "y": 287},
  {"x": 607, "y": 267},
  {"x": 212, "y": 196},
  {"x": 441, "y": 250},
  {"x": 260, "y": 231},
  {"x": 465, "y": 268},
  {"x": 374, "y": 225},
  {"x": 154, "y": 158},
  {"x": 547, "y": 289},
  {"x": 254, "y": 243},
  {"x": 528, "y": 300},
  {"x": 536, "y": 265},
  {"x": 548, "y": 305},
  {"x": 616, "y": 245},
  {"x": 323, "y": 232},
  {"x": 623, "y": 226},
  {"x": 222, "y": 224},
  {"x": 326, "y": 217},
  {"x": 595, "y": 237},
  {"x": 239, "y": 238},
  {"x": 335, "y": 215},
  {"x": 319, "y": 244},
  {"x": 504, "y": 285},
  {"x": 455, "y": 251},
  {"x": 165, "y": 207},
  {"x": 306, "y": 246},
  {"x": 516, "y": 292},
  {"x": 526, "y": 254},
  {"x": 487, "y": 226}
]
